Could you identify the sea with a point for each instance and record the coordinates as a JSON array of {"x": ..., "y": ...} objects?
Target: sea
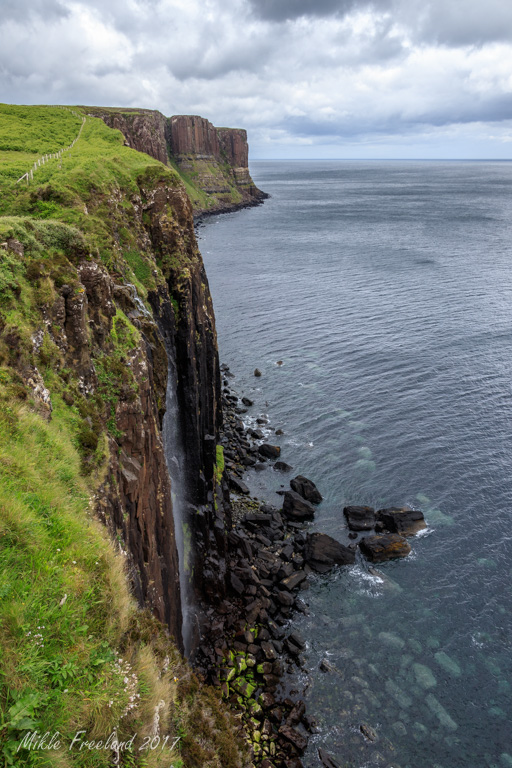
[{"x": 376, "y": 300}]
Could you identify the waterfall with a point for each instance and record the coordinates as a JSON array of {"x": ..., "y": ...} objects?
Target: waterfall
[{"x": 174, "y": 456}]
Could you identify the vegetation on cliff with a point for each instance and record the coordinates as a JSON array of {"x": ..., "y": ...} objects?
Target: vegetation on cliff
[
  {"x": 211, "y": 162},
  {"x": 86, "y": 248}
]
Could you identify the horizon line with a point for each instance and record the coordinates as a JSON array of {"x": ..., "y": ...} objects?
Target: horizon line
[{"x": 392, "y": 159}]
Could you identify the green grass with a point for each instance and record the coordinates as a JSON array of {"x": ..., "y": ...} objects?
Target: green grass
[
  {"x": 83, "y": 191},
  {"x": 68, "y": 625},
  {"x": 64, "y": 604},
  {"x": 74, "y": 646},
  {"x": 27, "y": 133},
  {"x": 219, "y": 466}
]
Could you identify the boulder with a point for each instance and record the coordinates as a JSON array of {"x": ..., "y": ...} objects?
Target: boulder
[
  {"x": 306, "y": 488},
  {"x": 322, "y": 552},
  {"x": 294, "y": 737},
  {"x": 282, "y": 466},
  {"x": 236, "y": 583},
  {"x": 368, "y": 732},
  {"x": 290, "y": 582},
  {"x": 327, "y": 760},
  {"x": 269, "y": 451},
  {"x": 402, "y": 520},
  {"x": 384, "y": 547},
  {"x": 257, "y": 372},
  {"x": 296, "y": 508},
  {"x": 360, "y": 518},
  {"x": 237, "y": 485}
]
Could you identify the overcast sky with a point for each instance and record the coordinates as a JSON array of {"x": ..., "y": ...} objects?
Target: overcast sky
[{"x": 324, "y": 78}]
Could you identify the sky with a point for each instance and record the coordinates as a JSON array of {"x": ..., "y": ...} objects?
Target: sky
[{"x": 307, "y": 79}]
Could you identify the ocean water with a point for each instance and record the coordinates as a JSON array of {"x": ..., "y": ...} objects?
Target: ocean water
[{"x": 385, "y": 290}]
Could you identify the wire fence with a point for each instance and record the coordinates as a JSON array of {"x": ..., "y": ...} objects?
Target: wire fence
[{"x": 29, "y": 175}]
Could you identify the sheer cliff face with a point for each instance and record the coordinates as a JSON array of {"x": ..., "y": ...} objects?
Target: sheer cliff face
[
  {"x": 111, "y": 354},
  {"x": 144, "y": 129},
  {"x": 193, "y": 135},
  {"x": 110, "y": 301},
  {"x": 214, "y": 162},
  {"x": 170, "y": 225},
  {"x": 138, "y": 500},
  {"x": 217, "y": 157}
]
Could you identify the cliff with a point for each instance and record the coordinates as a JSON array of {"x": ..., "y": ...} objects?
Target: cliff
[
  {"x": 212, "y": 162},
  {"x": 105, "y": 309}
]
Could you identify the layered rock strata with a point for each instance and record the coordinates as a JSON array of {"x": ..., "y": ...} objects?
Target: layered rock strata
[{"x": 214, "y": 162}]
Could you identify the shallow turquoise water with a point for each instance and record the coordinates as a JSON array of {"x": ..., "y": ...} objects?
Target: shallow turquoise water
[{"x": 386, "y": 291}]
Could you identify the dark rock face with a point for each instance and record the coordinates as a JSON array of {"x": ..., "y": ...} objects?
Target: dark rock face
[
  {"x": 197, "y": 146},
  {"x": 194, "y": 340},
  {"x": 218, "y": 157},
  {"x": 191, "y": 134},
  {"x": 233, "y": 144},
  {"x": 384, "y": 547},
  {"x": 402, "y": 520},
  {"x": 360, "y": 518},
  {"x": 135, "y": 500},
  {"x": 144, "y": 129},
  {"x": 306, "y": 488},
  {"x": 296, "y": 508},
  {"x": 322, "y": 552}
]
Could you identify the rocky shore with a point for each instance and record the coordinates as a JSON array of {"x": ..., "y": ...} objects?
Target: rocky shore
[{"x": 250, "y": 649}]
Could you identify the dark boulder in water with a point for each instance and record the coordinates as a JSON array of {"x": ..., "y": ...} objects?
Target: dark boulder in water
[
  {"x": 296, "y": 508},
  {"x": 368, "y": 732},
  {"x": 402, "y": 520},
  {"x": 282, "y": 466},
  {"x": 326, "y": 759},
  {"x": 322, "y": 552},
  {"x": 384, "y": 547},
  {"x": 360, "y": 518},
  {"x": 269, "y": 451},
  {"x": 306, "y": 488}
]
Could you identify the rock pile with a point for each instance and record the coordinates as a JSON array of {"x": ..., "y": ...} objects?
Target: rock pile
[
  {"x": 249, "y": 648},
  {"x": 391, "y": 527},
  {"x": 249, "y": 645}
]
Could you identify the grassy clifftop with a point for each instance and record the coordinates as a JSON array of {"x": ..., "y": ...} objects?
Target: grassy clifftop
[{"x": 76, "y": 652}]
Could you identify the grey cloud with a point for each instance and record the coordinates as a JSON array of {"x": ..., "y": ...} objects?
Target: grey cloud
[
  {"x": 283, "y": 10},
  {"x": 286, "y": 10},
  {"x": 495, "y": 109},
  {"x": 459, "y": 24},
  {"x": 21, "y": 10},
  {"x": 448, "y": 22},
  {"x": 320, "y": 81}
]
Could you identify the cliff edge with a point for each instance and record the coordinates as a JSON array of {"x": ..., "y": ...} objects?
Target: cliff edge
[
  {"x": 212, "y": 162},
  {"x": 104, "y": 311}
]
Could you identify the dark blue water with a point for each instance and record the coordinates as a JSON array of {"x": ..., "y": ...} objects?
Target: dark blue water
[{"x": 386, "y": 291}]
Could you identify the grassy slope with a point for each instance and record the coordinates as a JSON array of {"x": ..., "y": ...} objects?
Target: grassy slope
[
  {"x": 206, "y": 201},
  {"x": 68, "y": 626}
]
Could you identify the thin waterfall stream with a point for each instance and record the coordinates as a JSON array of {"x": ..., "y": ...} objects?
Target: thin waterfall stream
[{"x": 174, "y": 456}]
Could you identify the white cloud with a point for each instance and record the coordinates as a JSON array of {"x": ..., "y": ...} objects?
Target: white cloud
[{"x": 337, "y": 76}]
